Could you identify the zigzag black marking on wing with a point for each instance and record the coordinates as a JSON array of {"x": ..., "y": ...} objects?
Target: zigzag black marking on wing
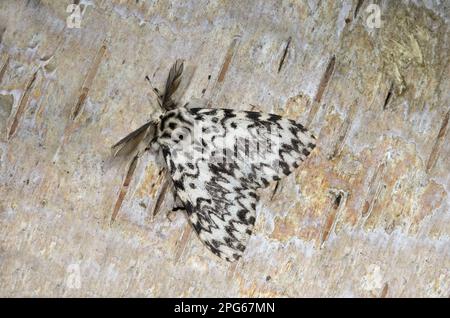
[{"x": 220, "y": 196}]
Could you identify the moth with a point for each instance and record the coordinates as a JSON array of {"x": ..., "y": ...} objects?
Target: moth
[{"x": 217, "y": 159}]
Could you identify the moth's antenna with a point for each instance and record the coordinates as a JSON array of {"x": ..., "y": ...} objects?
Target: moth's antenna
[
  {"x": 155, "y": 90},
  {"x": 172, "y": 83}
]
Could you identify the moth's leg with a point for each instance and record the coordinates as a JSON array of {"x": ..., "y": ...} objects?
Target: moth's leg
[
  {"x": 177, "y": 206},
  {"x": 165, "y": 187},
  {"x": 275, "y": 190},
  {"x": 182, "y": 242}
]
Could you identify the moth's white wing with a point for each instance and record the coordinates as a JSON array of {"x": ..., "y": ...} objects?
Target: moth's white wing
[
  {"x": 264, "y": 147},
  {"x": 218, "y": 158}
]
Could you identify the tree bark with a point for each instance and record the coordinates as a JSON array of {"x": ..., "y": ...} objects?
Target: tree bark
[{"x": 367, "y": 215}]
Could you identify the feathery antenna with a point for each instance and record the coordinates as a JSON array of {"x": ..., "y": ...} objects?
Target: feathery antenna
[{"x": 172, "y": 83}]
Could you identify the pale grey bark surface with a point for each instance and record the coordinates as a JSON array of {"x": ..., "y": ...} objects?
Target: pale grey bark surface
[{"x": 367, "y": 215}]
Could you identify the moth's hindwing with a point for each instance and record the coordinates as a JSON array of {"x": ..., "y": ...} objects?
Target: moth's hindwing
[{"x": 218, "y": 158}]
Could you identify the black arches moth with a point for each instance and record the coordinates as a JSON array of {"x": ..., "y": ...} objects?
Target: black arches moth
[{"x": 217, "y": 159}]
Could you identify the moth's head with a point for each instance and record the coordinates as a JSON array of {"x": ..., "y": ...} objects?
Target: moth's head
[{"x": 145, "y": 136}]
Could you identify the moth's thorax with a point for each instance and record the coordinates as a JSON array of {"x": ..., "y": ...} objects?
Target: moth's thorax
[{"x": 174, "y": 127}]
